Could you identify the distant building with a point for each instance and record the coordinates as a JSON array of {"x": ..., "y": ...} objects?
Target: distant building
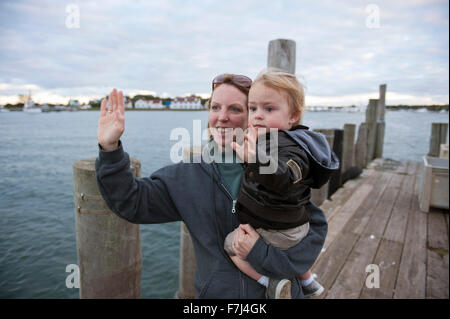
[
  {"x": 148, "y": 104},
  {"x": 192, "y": 102},
  {"x": 128, "y": 103},
  {"x": 141, "y": 104}
]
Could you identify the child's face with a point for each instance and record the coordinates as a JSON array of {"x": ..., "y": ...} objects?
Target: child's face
[{"x": 269, "y": 108}]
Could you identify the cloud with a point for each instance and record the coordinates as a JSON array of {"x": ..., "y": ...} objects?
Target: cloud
[{"x": 179, "y": 46}]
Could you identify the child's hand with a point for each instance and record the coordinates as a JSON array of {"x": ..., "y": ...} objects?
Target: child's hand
[{"x": 247, "y": 151}]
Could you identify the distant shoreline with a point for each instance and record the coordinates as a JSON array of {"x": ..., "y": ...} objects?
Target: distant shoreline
[{"x": 434, "y": 108}]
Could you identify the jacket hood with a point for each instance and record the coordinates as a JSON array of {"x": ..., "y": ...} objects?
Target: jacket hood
[{"x": 316, "y": 146}]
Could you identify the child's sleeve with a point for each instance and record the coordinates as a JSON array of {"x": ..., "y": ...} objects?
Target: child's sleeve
[{"x": 292, "y": 166}]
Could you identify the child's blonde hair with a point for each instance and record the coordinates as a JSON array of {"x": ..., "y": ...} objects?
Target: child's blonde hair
[{"x": 285, "y": 83}]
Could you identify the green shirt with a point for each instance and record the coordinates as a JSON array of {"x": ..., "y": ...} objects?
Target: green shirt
[{"x": 231, "y": 173}]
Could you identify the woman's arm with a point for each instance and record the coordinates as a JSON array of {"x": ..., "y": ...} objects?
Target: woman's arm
[
  {"x": 138, "y": 200},
  {"x": 276, "y": 263}
]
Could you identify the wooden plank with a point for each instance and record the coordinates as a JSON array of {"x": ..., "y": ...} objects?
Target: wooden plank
[
  {"x": 350, "y": 280},
  {"x": 338, "y": 199},
  {"x": 412, "y": 272},
  {"x": 346, "y": 213},
  {"x": 388, "y": 260},
  {"x": 363, "y": 216},
  {"x": 330, "y": 262},
  {"x": 448, "y": 225},
  {"x": 437, "y": 275},
  {"x": 437, "y": 256},
  {"x": 437, "y": 232},
  {"x": 396, "y": 228}
]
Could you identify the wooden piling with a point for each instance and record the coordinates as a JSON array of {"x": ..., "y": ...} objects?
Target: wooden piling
[
  {"x": 361, "y": 146},
  {"x": 108, "y": 247},
  {"x": 371, "y": 115},
  {"x": 318, "y": 196},
  {"x": 187, "y": 265},
  {"x": 348, "y": 148},
  {"x": 381, "y": 103},
  {"x": 281, "y": 55},
  {"x": 438, "y": 137},
  {"x": 381, "y": 126},
  {"x": 335, "y": 179}
]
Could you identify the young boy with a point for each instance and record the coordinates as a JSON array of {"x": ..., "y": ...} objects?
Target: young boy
[{"x": 275, "y": 204}]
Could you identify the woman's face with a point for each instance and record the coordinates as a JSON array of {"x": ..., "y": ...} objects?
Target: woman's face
[{"x": 228, "y": 111}]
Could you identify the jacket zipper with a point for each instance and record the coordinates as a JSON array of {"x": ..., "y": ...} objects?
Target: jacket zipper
[{"x": 233, "y": 209}]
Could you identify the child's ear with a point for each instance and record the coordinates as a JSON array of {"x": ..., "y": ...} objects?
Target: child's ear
[{"x": 295, "y": 118}]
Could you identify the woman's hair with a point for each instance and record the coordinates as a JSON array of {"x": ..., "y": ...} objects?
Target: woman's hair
[
  {"x": 228, "y": 79},
  {"x": 287, "y": 84}
]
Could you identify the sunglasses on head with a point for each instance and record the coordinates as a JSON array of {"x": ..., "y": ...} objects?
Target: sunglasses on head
[{"x": 237, "y": 79}]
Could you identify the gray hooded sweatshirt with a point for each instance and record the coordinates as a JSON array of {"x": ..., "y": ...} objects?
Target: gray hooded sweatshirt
[{"x": 195, "y": 194}]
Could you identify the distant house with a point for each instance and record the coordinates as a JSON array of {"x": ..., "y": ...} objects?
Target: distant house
[
  {"x": 141, "y": 104},
  {"x": 86, "y": 106},
  {"x": 128, "y": 103},
  {"x": 156, "y": 104},
  {"x": 192, "y": 102}
]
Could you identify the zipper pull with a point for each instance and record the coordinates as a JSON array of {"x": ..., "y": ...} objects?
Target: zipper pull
[{"x": 233, "y": 209}]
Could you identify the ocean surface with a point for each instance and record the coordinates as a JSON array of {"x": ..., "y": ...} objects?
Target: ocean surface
[{"x": 37, "y": 228}]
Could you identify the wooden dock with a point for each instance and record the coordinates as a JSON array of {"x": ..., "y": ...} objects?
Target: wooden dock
[{"x": 375, "y": 219}]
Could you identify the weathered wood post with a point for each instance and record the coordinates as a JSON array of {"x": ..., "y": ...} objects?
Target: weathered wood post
[
  {"x": 108, "y": 247},
  {"x": 187, "y": 265},
  {"x": 371, "y": 120},
  {"x": 348, "y": 148},
  {"x": 361, "y": 146},
  {"x": 336, "y": 178},
  {"x": 318, "y": 196},
  {"x": 281, "y": 55},
  {"x": 381, "y": 125},
  {"x": 438, "y": 137},
  {"x": 381, "y": 103}
]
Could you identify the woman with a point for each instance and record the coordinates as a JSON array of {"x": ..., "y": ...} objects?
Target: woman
[{"x": 202, "y": 195}]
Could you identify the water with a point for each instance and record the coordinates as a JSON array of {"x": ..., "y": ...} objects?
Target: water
[{"x": 37, "y": 230}]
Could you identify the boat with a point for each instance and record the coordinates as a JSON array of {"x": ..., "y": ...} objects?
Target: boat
[
  {"x": 3, "y": 109},
  {"x": 30, "y": 107}
]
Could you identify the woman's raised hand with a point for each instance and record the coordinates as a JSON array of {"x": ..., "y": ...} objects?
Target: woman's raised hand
[{"x": 111, "y": 123}]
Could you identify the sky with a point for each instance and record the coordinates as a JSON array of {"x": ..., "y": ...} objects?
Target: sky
[{"x": 59, "y": 50}]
